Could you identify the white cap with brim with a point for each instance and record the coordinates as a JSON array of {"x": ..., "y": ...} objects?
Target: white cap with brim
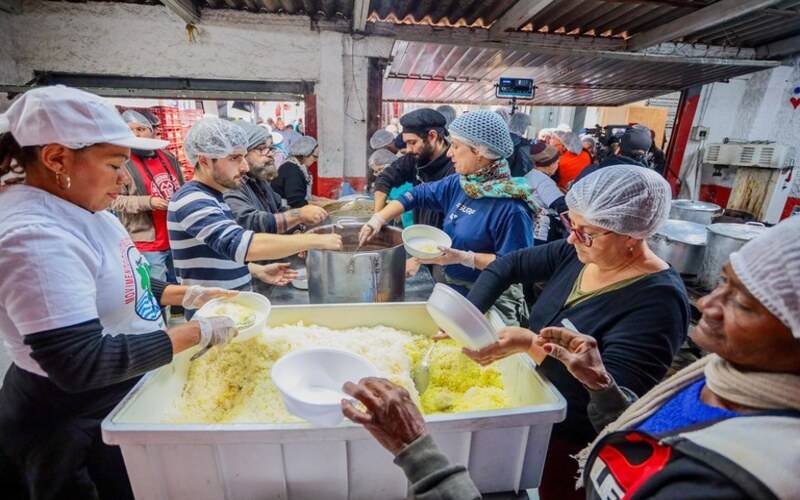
[
  {"x": 71, "y": 117},
  {"x": 276, "y": 138}
]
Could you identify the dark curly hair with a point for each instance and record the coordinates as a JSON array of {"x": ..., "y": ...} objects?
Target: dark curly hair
[{"x": 14, "y": 157}]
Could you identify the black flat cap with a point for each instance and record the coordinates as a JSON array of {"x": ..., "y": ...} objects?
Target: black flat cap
[
  {"x": 420, "y": 121},
  {"x": 636, "y": 139}
]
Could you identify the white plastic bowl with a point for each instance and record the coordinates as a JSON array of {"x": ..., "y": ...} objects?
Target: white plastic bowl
[
  {"x": 259, "y": 304},
  {"x": 423, "y": 241},
  {"x": 310, "y": 382},
  {"x": 459, "y": 318}
]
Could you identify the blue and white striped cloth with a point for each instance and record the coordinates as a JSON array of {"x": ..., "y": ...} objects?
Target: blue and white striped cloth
[{"x": 208, "y": 246}]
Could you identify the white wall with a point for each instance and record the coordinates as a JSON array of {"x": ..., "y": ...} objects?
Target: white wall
[
  {"x": 150, "y": 41},
  {"x": 753, "y": 107}
]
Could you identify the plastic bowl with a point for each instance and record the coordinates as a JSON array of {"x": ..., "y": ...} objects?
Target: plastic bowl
[
  {"x": 259, "y": 304},
  {"x": 423, "y": 241},
  {"x": 459, "y": 318},
  {"x": 310, "y": 382}
]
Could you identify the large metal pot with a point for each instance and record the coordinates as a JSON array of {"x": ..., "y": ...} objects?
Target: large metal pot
[
  {"x": 694, "y": 211},
  {"x": 724, "y": 239},
  {"x": 680, "y": 243},
  {"x": 374, "y": 273}
]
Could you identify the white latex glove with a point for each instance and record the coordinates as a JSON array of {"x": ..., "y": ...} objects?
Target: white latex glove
[
  {"x": 371, "y": 228},
  {"x": 216, "y": 330},
  {"x": 452, "y": 256},
  {"x": 196, "y": 296}
]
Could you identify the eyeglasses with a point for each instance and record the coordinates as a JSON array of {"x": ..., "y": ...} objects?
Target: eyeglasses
[{"x": 585, "y": 238}]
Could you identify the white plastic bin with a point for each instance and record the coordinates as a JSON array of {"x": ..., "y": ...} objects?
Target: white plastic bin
[{"x": 504, "y": 450}]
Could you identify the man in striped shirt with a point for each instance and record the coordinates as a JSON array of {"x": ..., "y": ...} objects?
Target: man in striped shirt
[{"x": 208, "y": 246}]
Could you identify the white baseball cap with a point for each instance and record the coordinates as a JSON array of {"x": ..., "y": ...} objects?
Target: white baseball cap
[
  {"x": 276, "y": 138},
  {"x": 71, "y": 117}
]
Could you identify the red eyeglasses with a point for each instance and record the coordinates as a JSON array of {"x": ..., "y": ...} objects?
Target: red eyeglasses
[{"x": 585, "y": 238}]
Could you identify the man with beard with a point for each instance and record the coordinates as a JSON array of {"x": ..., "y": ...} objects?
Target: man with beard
[
  {"x": 256, "y": 206},
  {"x": 426, "y": 160},
  {"x": 208, "y": 246}
]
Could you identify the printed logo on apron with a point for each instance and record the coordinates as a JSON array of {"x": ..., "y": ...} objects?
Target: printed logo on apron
[{"x": 137, "y": 284}]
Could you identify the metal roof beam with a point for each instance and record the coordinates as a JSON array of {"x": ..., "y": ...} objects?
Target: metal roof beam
[
  {"x": 185, "y": 9},
  {"x": 715, "y": 14},
  {"x": 360, "y": 15},
  {"x": 518, "y": 14},
  {"x": 784, "y": 47}
]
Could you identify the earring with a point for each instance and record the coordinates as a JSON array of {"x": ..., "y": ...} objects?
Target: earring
[{"x": 65, "y": 185}]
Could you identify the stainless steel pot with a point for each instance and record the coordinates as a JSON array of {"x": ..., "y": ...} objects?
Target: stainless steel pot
[
  {"x": 694, "y": 211},
  {"x": 374, "y": 273},
  {"x": 680, "y": 243},
  {"x": 724, "y": 239}
]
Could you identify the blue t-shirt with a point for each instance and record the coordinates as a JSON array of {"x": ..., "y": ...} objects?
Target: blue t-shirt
[
  {"x": 484, "y": 225},
  {"x": 684, "y": 409}
]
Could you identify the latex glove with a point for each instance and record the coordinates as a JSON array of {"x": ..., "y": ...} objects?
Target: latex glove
[
  {"x": 391, "y": 416},
  {"x": 511, "y": 340},
  {"x": 412, "y": 267},
  {"x": 452, "y": 256},
  {"x": 196, "y": 296},
  {"x": 279, "y": 274},
  {"x": 579, "y": 354},
  {"x": 216, "y": 330},
  {"x": 311, "y": 215},
  {"x": 371, "y": 228},
  {"x": 157, "y": 203}
]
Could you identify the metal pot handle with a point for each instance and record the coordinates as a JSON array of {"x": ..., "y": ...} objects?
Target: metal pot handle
[
  {"x": 753, "y": 223},
  {"x": 375, "y": 259},
  {"x": 346, "y": 219}
]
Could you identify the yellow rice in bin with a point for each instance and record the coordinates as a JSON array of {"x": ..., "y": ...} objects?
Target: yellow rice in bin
[{"x": 233, "y": 384}]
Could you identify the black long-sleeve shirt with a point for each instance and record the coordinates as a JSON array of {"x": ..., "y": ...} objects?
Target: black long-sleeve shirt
[
  {"x": 291, "y": 185},
  {"x": 639, "y": 327},
  {"x": 405, "y": 169}
]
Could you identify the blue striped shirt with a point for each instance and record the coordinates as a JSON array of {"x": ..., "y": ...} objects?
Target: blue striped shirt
[{"x": 208, "y": 246}]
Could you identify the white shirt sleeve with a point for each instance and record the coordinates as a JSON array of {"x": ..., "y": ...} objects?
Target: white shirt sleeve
[
  {"x": 48, "y": 278},
  {"x": 545, "y": 187}
]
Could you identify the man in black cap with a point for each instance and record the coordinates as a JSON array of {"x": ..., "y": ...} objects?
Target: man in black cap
[
  {"x": 634, "y": 147},
  {"x": 425, "y": 160}
]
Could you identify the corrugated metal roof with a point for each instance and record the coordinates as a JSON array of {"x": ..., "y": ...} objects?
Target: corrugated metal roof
[
  {"x": 777, "y": 23},
  {"x": 426, "y": 72}
]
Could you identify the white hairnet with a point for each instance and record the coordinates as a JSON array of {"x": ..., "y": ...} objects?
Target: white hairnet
[
  {"x": 381, "y": 157},
  {"x": 449, "y": 113},
  {"x": 256, "y": 135},
  {"x": 519, "y": 123},
  {"x": 589, "y": 138},
  {"x": 380, "y": 139},
  {"x": 569, "y": 140},
  {"x": 564, "y": 127},
  {"x": 485, "y": 131},
  {"x": 769, "y": 267},
  {"x": 214, "y": 138},
  {"x": 545, "y": 132},
  {"x": 303, "y": 146},
  {"x": 131, "y": 116},
  {"x": 625, "y": 199}
]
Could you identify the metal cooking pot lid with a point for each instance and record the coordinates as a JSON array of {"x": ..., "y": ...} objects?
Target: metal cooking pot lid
[
  {"x": 683, "y": 231},
  {"x": 744, "y": 232},
  {"x": 696, "y": 205}
]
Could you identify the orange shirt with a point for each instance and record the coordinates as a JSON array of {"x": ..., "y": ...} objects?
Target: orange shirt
[{"x": 570, "y": 165}]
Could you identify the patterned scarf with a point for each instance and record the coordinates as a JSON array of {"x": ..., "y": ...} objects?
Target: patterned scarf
[{"x": 495, "y": 181}]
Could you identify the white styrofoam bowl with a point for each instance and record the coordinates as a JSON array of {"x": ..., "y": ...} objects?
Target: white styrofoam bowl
[
  {"x": 418, "y": 234},
  {"x": 310, "y": 382},
  {"x": 260, "y": 305},
  {"x": 459, "y": 318}
]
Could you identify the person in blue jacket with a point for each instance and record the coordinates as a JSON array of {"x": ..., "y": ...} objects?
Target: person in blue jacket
[{"x": 488, "y": 213}]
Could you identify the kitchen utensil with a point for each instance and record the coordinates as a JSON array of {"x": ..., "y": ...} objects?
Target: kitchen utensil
[
  {"x": 459, "y": 318},
  {"x": 723, "y": 240},
  {"x": 421, "y": 374},
  {"x": 423, "y": 241},
  {"x": 699, "y": 212},
  {"x": 680, "y": 243}
]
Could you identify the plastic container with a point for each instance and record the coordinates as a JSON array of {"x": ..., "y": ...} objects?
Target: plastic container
[
  {"x": 504, "y": 450},
  {"x": 459, "y": 318},
  {"x": 255, "y": 302},
  {"x": 311, "y": 380},
  {"x": 423, "y": 241}
]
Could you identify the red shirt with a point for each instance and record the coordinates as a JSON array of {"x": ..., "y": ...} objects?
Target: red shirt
[
  {"x": 162, "y": 182},
  {"x": 570, "y": 165}
]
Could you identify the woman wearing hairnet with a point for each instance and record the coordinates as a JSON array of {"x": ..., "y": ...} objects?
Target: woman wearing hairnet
[
  {"x": 487, "y": 212},
  {"x": 606, "y": 281},
  {"x": 378, "y": 161},
  {"x": 293, "y": 183},
  {"x": 726, "y": 427},
  {"x": 573, "y": 157}
]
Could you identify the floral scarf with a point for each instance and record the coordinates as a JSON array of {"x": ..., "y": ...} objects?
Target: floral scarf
[{"x": 495, "y": 181}]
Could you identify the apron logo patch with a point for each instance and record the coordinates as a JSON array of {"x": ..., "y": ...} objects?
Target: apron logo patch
[{"x": 137, "y": 284}]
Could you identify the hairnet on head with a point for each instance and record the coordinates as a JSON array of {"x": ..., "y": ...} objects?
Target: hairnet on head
[
  {"x": 214, "y": 138},
  {"x": 381, "y": 157},
  {"x": 503, "y": 114},
  {"x": 131, "y": 116},
  {"x": 256, "y": 135},
  {"x": 519, "y": 123},
  {"x": 303, "y": 146},
  {"x": 569, "y": 140},
  {"x": 449, "y": 113},
  {"x": 380, "y": 139},
  {"x": 769, "y": 267},
  {"x": 545, "y": 132},
  {"x": 485, "y": 131},
  {"x": 625, "y": 199}
]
